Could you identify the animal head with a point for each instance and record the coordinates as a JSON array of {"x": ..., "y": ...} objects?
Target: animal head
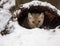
[{"x": 35, "y": 19}]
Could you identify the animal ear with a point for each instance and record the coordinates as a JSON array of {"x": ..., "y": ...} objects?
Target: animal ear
[
  {"x": 29, "y": 15},
  {"x": 41, "y": 15},
  {"x": 50, "y": 15}
]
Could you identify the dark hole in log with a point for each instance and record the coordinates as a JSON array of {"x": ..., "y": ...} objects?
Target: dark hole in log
[{"x": 51, "y": 18}]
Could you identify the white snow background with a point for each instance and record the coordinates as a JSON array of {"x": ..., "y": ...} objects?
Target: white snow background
[{"x": 31, "y": 37}]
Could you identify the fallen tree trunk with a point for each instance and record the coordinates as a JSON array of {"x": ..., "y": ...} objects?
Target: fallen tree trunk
[{"x": 5, "y": 16}]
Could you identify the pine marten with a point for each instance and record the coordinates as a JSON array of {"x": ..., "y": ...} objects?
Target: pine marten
[{"x": 38, "y": 16}]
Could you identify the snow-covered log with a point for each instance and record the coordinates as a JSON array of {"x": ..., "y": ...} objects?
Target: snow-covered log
[
  {"x": 9, "y": 4},
  {"x": 51, "y": 13},
  {"x": 5, "y": 16}
]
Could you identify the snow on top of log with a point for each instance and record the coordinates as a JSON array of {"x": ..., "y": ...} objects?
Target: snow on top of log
[
  {"x": 58, "y": 11},
  {"x": 40, "y": 3},
  {"x": 36, "y": 3}
]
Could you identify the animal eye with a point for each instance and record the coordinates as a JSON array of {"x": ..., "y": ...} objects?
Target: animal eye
[
  {"x": 33, "y": 22},
  {"x": 39, "y": 21}
]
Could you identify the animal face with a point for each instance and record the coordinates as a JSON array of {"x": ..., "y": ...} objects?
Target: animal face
[{"x": 35, "y": 20}]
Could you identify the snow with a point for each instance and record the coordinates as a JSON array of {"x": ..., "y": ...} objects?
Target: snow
[
  {"x": 4, "y": 18},
  {"x": 3, "y": 1},
  {"x": 40, "y": 3},
  {"x": 29, "y": 37},
  {"x": 58, "y": 11},
  {"x": 9, "y": 4},
  {"x": 32, "y": 37},
  {"x": 16, "y": 13},
  {"x": 36, "y": 3}
]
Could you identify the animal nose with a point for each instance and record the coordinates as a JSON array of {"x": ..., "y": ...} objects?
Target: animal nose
[{"x": 37, "y": 25}]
